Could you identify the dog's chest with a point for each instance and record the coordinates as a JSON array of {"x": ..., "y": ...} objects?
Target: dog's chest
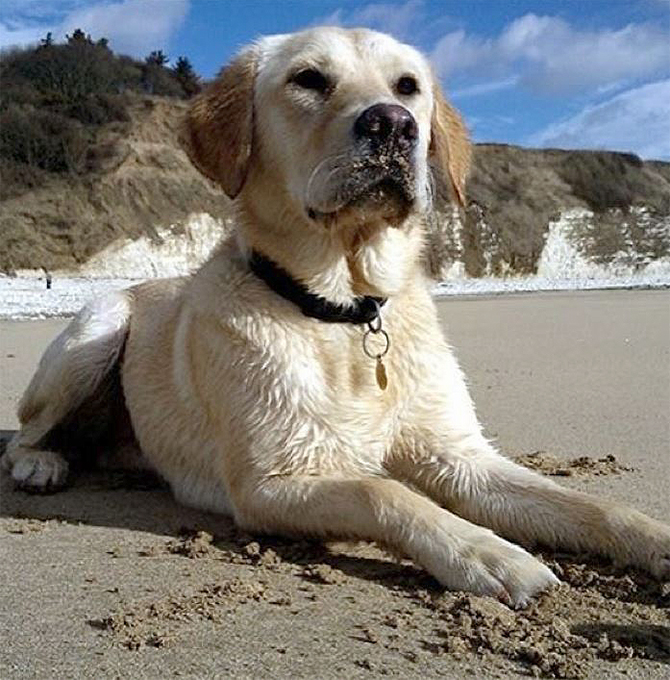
[{"x": 314, "y": 404}]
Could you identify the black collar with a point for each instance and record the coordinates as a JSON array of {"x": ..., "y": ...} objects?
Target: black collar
[{"x": 361, "y": 310}]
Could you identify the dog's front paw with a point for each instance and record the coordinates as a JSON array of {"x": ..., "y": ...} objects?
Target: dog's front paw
[
  {"x": 643, "y": 542},
  {"x": 520, "y": 575},
  {"x": 36, "y": 470},
  {"x": 489, "y": 565},
  {"x": 660, "y": 564}
]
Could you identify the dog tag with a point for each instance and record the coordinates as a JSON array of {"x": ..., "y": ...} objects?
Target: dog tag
[{"x": 380, "y": 373}]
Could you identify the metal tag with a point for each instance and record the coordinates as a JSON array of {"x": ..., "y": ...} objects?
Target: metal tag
[{"x": 380, "y": 373}]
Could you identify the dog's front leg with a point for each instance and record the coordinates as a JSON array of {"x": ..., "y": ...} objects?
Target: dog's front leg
[
  {"x": 459, "y": 554},
  {"x": 463, "y": 472}
]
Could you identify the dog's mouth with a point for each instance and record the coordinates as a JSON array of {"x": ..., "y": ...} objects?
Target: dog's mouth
[
  {"x": 382, "y": 187},
  {"x": 387, "y": 189}
]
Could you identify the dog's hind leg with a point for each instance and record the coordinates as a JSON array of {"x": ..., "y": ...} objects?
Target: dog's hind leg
[{"x": 72, "y": 372}]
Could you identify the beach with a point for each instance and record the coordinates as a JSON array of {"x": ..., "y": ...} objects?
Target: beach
[{"x": 111, "y": 578}]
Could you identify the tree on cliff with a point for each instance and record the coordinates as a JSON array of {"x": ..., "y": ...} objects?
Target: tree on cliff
[{"x": 186, "y": 76}]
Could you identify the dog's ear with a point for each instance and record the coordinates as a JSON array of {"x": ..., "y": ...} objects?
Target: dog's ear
[
  {"x": 218, "y": 130},
  {"x": 450, "y": 150}
]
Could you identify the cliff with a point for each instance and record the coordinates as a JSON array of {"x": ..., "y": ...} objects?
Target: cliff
[{"x": 141, "y": 209}]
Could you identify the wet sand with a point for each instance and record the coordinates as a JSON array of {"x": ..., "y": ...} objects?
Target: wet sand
[{"x": 111, "y": 578}]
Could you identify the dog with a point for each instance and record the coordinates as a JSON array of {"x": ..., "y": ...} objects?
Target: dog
[{"x": 300, "y": 381}]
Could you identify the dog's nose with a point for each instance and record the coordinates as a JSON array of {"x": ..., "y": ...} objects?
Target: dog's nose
[{"x": 383, "y": 123}]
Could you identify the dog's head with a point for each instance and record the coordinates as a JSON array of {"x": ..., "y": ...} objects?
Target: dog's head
[{"x": 337, "y": 124}]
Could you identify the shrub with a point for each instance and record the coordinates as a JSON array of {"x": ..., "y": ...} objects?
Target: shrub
[
  {"x": 53, "y": 97},
  {"x": 99, "y": 109},
  {"x": 603, "y": 179},
  {"x": 42, "y": 139}
]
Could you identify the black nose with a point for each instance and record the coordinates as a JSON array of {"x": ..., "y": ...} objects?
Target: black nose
[{"x": 387, "y": 123}]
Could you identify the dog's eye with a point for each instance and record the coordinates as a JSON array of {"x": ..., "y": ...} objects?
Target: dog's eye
[
  {"x": 311, "y": 79},
  {"x": 407, "y": 85}
]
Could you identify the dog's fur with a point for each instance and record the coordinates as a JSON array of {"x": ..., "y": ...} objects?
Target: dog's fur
[{"x": 247, "y": 407}]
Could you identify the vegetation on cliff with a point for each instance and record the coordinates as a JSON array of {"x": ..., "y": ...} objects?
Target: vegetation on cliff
[{"x": 89, "y": 155}]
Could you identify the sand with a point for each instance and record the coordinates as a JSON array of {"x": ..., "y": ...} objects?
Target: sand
[{"x": 111, "y": 578}]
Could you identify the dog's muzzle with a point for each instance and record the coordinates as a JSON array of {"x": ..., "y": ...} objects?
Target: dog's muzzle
[
  {"x": 386, "y": 135},
  {"x": 379, "y": 175}
]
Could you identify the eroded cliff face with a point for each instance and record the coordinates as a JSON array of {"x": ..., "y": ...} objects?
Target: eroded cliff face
[
  {"x": 557, "y": 213},
  {"x": 141, "y": 187},
  {"x": 143, "y": 210},
  {"x": 575, "y": 243}
]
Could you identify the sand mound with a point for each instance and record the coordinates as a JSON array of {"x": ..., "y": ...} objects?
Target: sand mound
[{"x": 554, "y": 466}]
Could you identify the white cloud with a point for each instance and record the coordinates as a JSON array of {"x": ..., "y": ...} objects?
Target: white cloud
[
  {"x": 551, "y": 56},
  {"x": 36, "y": 11},
  {"x": 484, "y": 88},
  {"x": 636, "y": 120},
  {"x": 397, "y": 19},
  {"x": 132, "y": 26},
  {"x": 24, "y": 22},
  {"x": 10, "y": 37}
]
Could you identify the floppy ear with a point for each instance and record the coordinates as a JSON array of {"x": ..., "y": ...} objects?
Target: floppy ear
[
  {"x": 218, "y": 129},
  {"x": 450, "y": 150}
]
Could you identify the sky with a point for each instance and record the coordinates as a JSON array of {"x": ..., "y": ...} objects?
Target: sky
[{"x": 545, "y": 73}]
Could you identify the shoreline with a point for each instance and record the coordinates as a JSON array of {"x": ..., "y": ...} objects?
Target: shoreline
[{"x": 26, "y": 297}]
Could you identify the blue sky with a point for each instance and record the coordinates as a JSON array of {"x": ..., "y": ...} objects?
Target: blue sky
[{"x": 563, "y": 73}]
